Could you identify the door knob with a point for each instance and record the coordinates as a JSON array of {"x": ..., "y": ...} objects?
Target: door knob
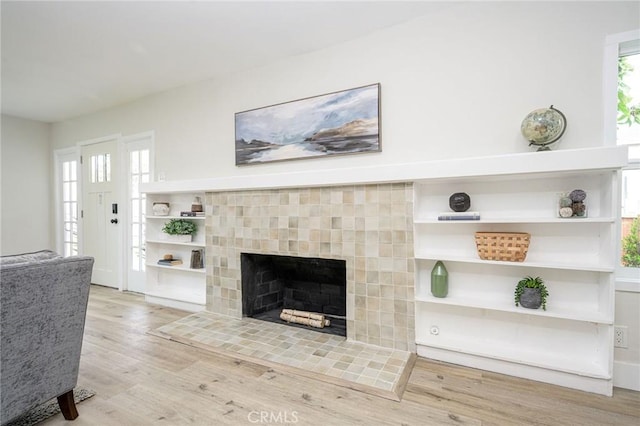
[{"x": 114, "y": 221}]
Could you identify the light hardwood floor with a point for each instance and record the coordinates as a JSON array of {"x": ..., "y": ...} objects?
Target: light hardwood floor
[{"x": 140, "y": 379}]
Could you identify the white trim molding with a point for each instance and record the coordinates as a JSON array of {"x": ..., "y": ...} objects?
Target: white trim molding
[
  {"x": 626, "y": 375},
  {"x": 628, "y": 285},
  {"x": 497, "y": 165}
]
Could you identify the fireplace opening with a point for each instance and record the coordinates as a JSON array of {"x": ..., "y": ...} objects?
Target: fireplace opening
[{"x": 271, "y": 283}]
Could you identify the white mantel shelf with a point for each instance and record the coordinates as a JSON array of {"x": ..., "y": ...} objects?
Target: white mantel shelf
[{"x": 570, "y": 160}]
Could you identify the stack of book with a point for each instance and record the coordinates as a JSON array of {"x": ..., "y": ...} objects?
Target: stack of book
[
  {"x": 169, "y": 262},
  {"x": 191, "y": 214},
  {"x": 459, "y": 216}
]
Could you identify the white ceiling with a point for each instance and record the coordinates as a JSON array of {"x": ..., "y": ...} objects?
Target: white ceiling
[{"x": 65, "y": 59}]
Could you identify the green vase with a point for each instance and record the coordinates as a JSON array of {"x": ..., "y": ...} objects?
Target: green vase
[{"x": 439, "y": 280}]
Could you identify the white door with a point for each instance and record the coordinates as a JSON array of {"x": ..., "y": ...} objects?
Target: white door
[{"x": 100, "y": 208}]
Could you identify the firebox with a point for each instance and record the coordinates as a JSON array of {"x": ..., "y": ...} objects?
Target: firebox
[{"x": 271, "y": 283}]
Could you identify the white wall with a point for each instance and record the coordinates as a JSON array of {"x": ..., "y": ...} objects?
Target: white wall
[
  {"x": 26, "y": 175},
  {"x": 454, "y": 84}
]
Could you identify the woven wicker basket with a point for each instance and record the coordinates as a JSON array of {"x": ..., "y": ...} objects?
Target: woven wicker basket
[{"x": 509, "y": 246}]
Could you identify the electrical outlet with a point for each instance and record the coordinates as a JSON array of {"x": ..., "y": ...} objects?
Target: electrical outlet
[{"x": 620, "y": 336}]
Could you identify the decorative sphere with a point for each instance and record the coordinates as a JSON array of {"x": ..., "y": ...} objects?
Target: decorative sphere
[
  {"x": 543, "y": 127},
  {"x": 565, "y": 202},
  {"x": 566, "y": 212},
  {"x": 579, "y": 209},
  {"x": 459, "y": 202},
  {"x": 577, "y": 195}
]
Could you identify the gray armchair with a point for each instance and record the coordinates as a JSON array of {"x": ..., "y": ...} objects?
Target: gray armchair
[{"x": 43, "y": 305}]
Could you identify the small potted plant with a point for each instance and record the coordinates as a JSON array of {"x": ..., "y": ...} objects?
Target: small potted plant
[
  {"x": 180, "y": 230},
  {"x": 531, "y": 293}
]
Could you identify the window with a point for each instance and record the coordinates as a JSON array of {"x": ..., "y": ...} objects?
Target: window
[
  {"x": 139, "y": 173},
  {"x": 139, "y": 169},
  {"x": 622, "y": 127},
  {"x": 100, "y": 168},
  {"x": 67, "y": 203},
  {"x": 70, "y": 207},
  {"x": 628, "y": 133}
]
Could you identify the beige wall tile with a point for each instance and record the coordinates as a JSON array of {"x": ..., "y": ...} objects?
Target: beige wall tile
[{"x": 369, "y": 226}]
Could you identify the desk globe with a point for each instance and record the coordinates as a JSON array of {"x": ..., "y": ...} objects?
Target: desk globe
[{"x": 543, "y": 126}]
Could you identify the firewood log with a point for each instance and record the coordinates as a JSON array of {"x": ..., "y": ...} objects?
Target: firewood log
[
  {"x": 307, "y": 314},
  {"x": 306, "y": 318},
  {"x": 303, "y": 314}
]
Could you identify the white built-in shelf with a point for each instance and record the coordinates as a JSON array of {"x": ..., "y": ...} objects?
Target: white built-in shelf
[
  {"x": 526, "y": 263},
  {"x": 499, "y": 168},
  {"x": 177, "y": 286},
  {"x": 478, "y": 324},
  {"x": 572, "y": 221},
  {"x": 177, "y": 217},
  {"x": 180, "y": 268},
  {"x": 551, "y": 312},
  {"x": 176, "y": 243}
]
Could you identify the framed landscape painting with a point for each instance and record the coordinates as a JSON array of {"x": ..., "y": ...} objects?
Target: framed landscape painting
[{"x": 345, "y": 122}]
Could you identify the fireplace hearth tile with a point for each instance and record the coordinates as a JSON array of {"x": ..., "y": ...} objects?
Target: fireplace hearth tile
[{"x": 371, "y": 369}]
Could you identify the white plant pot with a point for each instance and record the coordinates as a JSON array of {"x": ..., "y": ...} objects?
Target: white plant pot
[{"x": 178, "y": 238}]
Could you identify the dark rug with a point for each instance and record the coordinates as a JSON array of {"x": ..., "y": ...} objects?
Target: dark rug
[{"x": 49, "y": 409}]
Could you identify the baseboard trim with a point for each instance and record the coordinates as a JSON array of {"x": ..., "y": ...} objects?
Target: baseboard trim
[
  {"x": 626, "y": 375},
  {"x": 599, "y": 385},
  {"x": 173, "y": 303}
]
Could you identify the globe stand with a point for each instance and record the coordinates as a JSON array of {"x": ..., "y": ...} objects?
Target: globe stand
[{"x": 544, "y": 147}]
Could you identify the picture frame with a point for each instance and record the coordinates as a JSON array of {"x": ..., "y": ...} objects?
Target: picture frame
[{"x": 336, "y": 123}]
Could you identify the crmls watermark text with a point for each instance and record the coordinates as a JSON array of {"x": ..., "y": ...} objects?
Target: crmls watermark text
[{"x": 273, "y": 417}]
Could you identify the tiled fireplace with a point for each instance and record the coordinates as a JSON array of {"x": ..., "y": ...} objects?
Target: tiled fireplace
[{"x": 369, "y": 227}]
